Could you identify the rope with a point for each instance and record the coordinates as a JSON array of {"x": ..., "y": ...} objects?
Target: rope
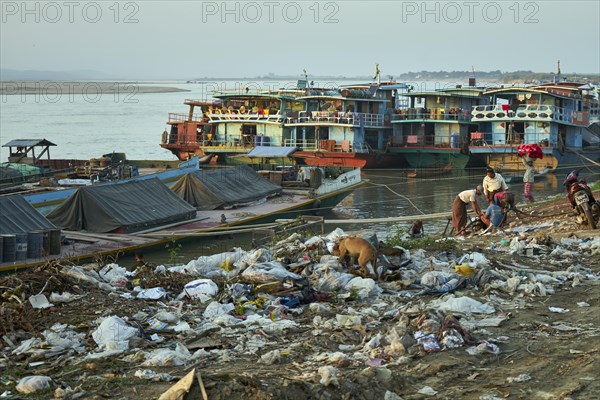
[{"x": 399, "y": 195}]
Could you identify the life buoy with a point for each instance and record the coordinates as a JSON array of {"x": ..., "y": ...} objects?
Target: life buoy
[{"x": 165, "y": 135}]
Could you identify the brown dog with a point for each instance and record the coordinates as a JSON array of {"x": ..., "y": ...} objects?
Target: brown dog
[{"x": 357, "y": 247}]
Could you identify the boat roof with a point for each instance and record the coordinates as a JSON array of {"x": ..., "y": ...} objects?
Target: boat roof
[
  {"x": 243, "y": 96},
  {"x": 394, "y": 86},
  {"x": 131, "y": 206},
  {"x": 271, "y": 151},
  {"x": 565, "y": 92},
  {"x": 454, "y": 92},
  {"x": 209, "y": 189},
  {"x": 28, "y": 143},
  {"x": 18, "y": 216}
]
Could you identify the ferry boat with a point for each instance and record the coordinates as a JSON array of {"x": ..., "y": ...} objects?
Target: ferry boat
[
  {"x": 347, "y": 126},
  {"x": 187, "y": 133},
  {"x": 228, "y": 128},
  {"x": 561, "y": 117},
  {"x": 433, "y": 131}
]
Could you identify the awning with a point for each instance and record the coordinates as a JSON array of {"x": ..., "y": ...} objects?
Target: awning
[
  {"x": 28, "y": 143},
  {"x": 271, "y": 151}
]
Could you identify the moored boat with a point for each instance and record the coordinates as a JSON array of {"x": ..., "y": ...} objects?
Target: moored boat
[
  {"x": 347, "y": 126},
  {"x": 45, "y": 199},
  {"x": 104, "y": 237},
  {"x": 563, "y": 118},
  {"x": 433, "y": 131}
]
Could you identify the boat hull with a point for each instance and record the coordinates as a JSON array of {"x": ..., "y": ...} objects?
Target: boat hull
[
  {"x": 434, "y": 158},
  {"x": 506, "y": 159},
  {"x": 354, "y": 160}
]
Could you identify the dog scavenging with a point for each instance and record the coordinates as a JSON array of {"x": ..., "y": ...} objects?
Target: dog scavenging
[{"x": 487, "y": 317}]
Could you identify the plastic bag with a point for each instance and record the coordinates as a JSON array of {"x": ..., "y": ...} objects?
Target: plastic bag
[
  {"x": 267, "y": 272},
  {"x": 114, "y": 333},
  {"x": 199, "y": 289},
  {"x": 34, "y": 383}
]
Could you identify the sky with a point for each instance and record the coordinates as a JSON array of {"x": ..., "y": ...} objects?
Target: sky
[{"x": 194, "y": 39}]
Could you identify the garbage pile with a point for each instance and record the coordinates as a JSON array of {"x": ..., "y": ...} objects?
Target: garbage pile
[{"x": 293, "y": 301}]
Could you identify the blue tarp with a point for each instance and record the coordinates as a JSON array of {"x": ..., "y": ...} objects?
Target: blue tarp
[
  {"x": 18, "y": 216},
  {"x": 224, "y": 187},
  {"x": 271, "y": 151},
  {"x": 125, "y": 207}
]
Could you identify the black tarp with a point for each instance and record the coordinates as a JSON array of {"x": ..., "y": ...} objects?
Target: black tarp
[
  {"x": 208, "y": 189},
  {"x": 18, "y": 216},
  {"x": 121, "y": 207}
]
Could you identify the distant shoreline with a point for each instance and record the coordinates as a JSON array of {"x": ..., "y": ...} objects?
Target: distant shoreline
[{"x": 45, "y": 88}]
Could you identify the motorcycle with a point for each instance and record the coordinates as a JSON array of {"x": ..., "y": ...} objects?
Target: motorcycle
[{"x": 582, "y": 200}]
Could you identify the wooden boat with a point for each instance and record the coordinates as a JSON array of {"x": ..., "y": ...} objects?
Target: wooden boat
[
  {"x": 518, "y": 177},
  {"x": 292, "y": 203}
]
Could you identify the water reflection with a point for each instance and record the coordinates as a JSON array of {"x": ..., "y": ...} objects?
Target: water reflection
[{"x": 388, "y": 193}]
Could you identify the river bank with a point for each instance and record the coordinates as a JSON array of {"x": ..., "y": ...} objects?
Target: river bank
[
  {"x": 51, "y": 89},
  {"x": 289, "y": 322}
]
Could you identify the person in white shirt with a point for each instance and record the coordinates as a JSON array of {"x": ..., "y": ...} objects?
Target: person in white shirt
[
  {"x": 493, "y": 183},
  {"x": 459, "y": 208}
]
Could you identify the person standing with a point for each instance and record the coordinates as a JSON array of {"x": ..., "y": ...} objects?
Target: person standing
[
  {"x": 459, "y": 207},
  {"x": 528, "y": 178},
  {"x": 492, "y": 184}
]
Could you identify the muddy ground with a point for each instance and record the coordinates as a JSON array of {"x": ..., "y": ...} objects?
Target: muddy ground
[{"x": 543, "y": 354}]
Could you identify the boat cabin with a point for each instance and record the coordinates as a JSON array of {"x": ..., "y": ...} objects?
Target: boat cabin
[{"x": 29, "y": 151}]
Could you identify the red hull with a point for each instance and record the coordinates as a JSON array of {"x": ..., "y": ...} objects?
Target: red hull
[{"x": 361, "y": 160}]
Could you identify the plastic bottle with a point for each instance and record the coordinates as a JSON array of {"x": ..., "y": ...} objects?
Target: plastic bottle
[{"x": 448, "y": 286}]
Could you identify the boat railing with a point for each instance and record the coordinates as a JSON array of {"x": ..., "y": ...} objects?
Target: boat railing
[
  {"x": 436, "y": 114},
  {"x": 248, "y": 91},
  {"x": 431, "y": 141},
  {"x": 492, "y": 139},
  {"x": 246, "y": 115},
  {"x": 339, "y": 117},
  {"x": 180, "y": 117},
  {"x": 302, "y": 144},
  {"x": 538, "y": 112}
]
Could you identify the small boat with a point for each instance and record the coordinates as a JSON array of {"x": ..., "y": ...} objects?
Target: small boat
[
  {"x": 121, "y": 232},
  {"x": 518, "y": 177},
  {"x": 433, "y": 172}
]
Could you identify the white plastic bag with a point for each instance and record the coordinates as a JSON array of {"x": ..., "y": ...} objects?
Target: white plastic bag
[
  {"x": 267, "y": 272},
  {"x": 200, "y": 289},
  {"x": 114, "y": 334},
  {"x": 34, "y": 383},
  {"x": 465, "y": 305}
]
